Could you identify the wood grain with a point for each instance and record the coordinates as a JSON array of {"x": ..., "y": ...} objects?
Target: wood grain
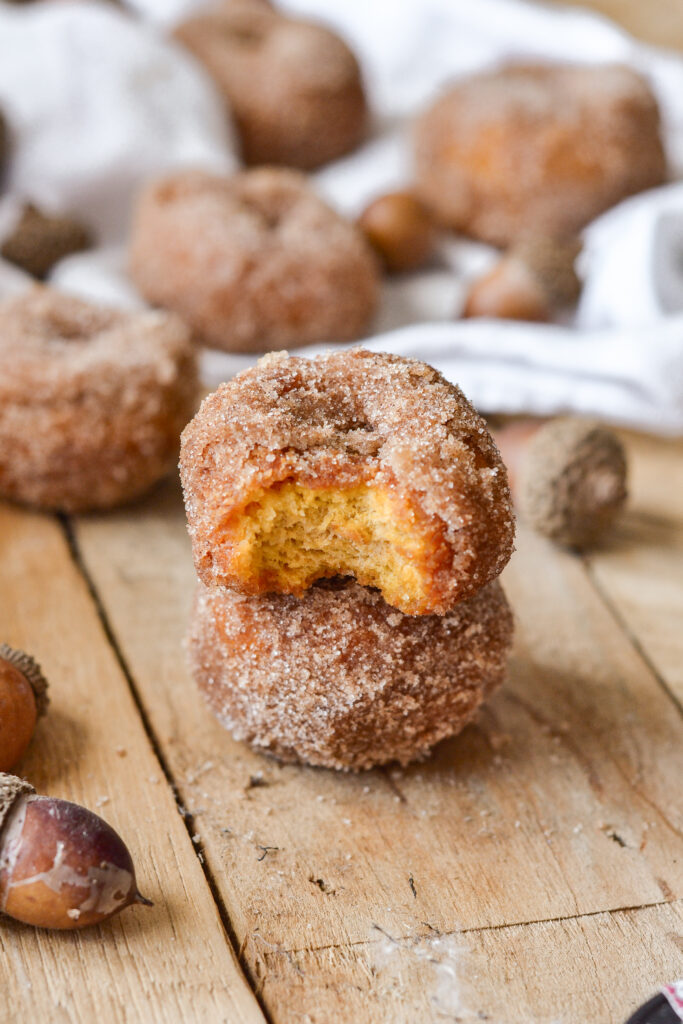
[
  {"x": 162, "y": 964},
  {"x": 593, "y": 969},
  {"x": 640, "y": 573}
]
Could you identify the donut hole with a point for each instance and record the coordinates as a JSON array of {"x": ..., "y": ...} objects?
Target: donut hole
[
  {"x": 70, "y": 326},
  {"x": 290, "y": 535},
  {"x": 270, "y": 209}
]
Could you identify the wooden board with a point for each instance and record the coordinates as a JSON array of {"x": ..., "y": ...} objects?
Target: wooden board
[
  {"x": 92, "y": 748},
  {"x": 546, "y": 842}
]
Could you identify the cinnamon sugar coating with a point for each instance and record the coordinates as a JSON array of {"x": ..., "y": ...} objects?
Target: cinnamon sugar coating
[
  {"x": 537, "y": 148},
  {"x": 253, "y": 262},
  {"x": 340, "y": 679},
  {"x": 352, "y": 463},
  {"x": 92, "y": 400},
  {"x": 293, "y": 87}
]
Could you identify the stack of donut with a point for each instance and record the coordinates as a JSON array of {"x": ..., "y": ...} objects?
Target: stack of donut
[{"x": 349, "y": 515}]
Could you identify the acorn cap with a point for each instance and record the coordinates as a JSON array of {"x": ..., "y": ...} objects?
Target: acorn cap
[
  {"x": 31, "y": 671},
  {"x": 551, "y": 261},
  {"x": 11, "y": 788},
  {"x": 572, "y": 481}
]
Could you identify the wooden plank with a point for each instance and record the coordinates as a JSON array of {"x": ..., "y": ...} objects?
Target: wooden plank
[
  {"x": 594, "y": 969},
  {"x": 640, "y": 572},
  {"x": 561, "y": 801},
  {"x": 171, "y": 963}
]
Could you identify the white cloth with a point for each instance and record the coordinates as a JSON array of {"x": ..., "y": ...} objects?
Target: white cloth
[
  {"x": 153, "y": 109},
  {"x": 97, "y": 103}
]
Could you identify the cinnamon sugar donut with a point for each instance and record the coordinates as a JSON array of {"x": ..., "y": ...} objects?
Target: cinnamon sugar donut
[
  {"x": 537, "y": 148},
  {"x": 293, "y": 87},
  {"x": 253, "y": 262},
  {"x": 92, "y": 400},
  {"x": 339, "y": 678},
  {"x": 351, "y": 464}
]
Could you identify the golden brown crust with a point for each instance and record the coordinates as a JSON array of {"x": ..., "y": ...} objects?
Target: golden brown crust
[
  {"x": 333, "y": 420},
  {"x": 537, "y": 148},
  {"x": 339, "y": 678},
  {"x": 293, "y": 87},
  {"x": 92, "y": 400},
  {"x": 253, "y": 262}
]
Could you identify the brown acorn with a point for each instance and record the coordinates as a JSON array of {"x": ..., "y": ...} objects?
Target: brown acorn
[
  {"x": 568, "y": 477},
  {"x": 23, "y": 699},
  {"x": 531, "y": 281},
  {"x": 400, "y": 230},
  {"x": 61, "y": 866}
]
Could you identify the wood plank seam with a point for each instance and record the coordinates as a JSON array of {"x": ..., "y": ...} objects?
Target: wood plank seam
[
  {"x": 474, "y": 930},
  {"x": 187, "y": 817},
  {"x": 625, "y": 628}
]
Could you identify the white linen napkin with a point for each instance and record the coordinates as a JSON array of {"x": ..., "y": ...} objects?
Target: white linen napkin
[{"x": 106, "y": 115}]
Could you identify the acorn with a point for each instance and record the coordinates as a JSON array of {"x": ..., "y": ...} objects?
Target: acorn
[
  {"x": 400, "y": 230},
  {"x": 61, "y": 866},
  {"x": 568, "y": 477},
  {"x": 23, "y": 699},
  {"x": 533, "y": 280},
  {"x": 40, "y": 240}
]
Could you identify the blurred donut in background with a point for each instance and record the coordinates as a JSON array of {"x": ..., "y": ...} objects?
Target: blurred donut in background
[
  {"x": 92, "y": 400},
  {"x": 293, "y": 87},
  {"x": 537, "y": 148},
  {"x": 253, "y": 262}
]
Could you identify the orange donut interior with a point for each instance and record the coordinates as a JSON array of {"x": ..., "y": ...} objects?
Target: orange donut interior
[{"x": 289, "y": 535}]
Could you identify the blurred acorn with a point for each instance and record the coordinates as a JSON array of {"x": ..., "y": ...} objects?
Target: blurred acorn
[
  {"x": 568, "y": 477},
  {"x": 399, "y": 228},
  {"x": 40, "y": 240},
  {"x": 533, "y": 280}
]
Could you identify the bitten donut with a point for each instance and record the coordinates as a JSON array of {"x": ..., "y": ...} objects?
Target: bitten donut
[
  {"x": 537, "y": 148},
  {"x": 92, "y": 400},
  {"x": 253, "y": 262},
  {"x": 293, "y": 87},
  {"x": 351, "y": 464},
  {"x": 339, "y": 678}
]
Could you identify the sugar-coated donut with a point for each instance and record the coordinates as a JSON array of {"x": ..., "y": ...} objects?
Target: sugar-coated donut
[
  {"x": 339, "y": 678},
  {"x": 253, "y": 262},
  {"x": 293, "y": 87},
  {"x": 350, "y": 464},
  {"x": 537, "y": 148},
  {"x": 92, "y": 400}
]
